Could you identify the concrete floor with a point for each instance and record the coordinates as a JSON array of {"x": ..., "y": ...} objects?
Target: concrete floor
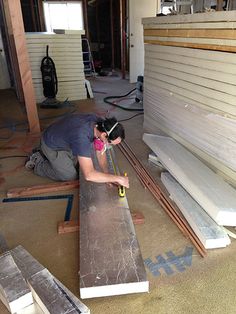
[{"x": 203, "y": 285}]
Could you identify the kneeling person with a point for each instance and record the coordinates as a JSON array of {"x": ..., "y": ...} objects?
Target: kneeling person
[{"x": 69, "y": 142}]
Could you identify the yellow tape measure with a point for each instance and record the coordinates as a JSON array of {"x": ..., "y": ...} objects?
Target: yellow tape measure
[{"x": 121, "y": 189}]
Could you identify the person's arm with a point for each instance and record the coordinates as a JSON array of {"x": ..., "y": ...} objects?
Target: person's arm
[
  {"x": 102, "y": 161},
  {"x": 91, "y": 174}
]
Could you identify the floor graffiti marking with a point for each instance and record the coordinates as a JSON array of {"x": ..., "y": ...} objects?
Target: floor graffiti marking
[{"x": 170, "y": 264}]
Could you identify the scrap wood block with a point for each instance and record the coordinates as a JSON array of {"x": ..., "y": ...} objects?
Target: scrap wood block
[
  {"x": 41, "y": 189},
  {"x": 14, "y": 291},
  {"x": 138, "y": 218},
  {"x": 68, "y": 226}
]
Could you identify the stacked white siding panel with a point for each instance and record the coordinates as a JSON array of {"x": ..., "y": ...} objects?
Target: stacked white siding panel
[
  {"x": 208, "y": 189},
  {"x": 14, "y": 291},
  {"x": 66, "y": 52},
  {"x": 190, "y": 94},
  {"x": 210, "y": 234}
]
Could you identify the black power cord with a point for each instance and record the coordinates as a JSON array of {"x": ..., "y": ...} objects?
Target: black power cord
[{"x": 106, "y": 100}]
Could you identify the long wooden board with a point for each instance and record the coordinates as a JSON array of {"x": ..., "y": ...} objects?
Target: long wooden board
[
  {"x": 110, "y": 257},
  {"x": 43, "y": 188},
  {"x": 192, "y": 33},
  {"x": 216, "y": 196}
]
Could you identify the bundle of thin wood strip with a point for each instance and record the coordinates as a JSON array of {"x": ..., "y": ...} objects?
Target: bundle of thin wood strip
[{"x": 149, "y": 183}]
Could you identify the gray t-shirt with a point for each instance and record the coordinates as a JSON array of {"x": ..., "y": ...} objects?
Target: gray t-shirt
[{"x": 74, "y": 132}]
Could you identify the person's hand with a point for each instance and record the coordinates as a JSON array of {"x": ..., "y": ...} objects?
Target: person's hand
[{"x": 124, "y": 181}]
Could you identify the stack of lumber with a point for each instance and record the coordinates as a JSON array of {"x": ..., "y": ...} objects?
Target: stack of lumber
[
  {"x": 210, "y": 191},
  {"x": 48, "y": 292},
  {"x": 14, "y": 291},
  {"x": 66, "y": 52},
  {"x": 189, "y": 84},
  {"x": 110, "y": 257}
]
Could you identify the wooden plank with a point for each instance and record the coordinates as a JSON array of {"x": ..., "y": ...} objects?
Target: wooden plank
[
  {"x": 110, "y": 258},
  {"x": 216, "y": 196},
  {"x": 193, "y": 33},
  {"x": 73, "y": 226},
  {"x": 191, "y": 45},
  {"x": 42, "y": 189},
  {"x": 229, "y": 16},
  {"x": 199, "y": 41},
  {"x": 67, "y": 226},
  {"x": 14, "y": 18},
  {"x": 211, "y": 235}
]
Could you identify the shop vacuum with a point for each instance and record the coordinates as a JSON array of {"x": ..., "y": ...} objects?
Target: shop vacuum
[{"x": 50, "y": 83}]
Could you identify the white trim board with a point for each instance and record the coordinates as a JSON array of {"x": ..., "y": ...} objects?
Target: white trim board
[
  {"x": 210, "y": 234},
  {"x": 216, "y": 196}
]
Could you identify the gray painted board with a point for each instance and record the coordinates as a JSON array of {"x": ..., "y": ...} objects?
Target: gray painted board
[
  {"x": 49, "y": 292},
  {"x": 14, "y": 291},
  {"x": 110, "y": 258},
  {"x": 210, "y": 234}
]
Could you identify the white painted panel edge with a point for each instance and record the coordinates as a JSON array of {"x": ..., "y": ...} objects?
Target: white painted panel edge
[
  {"x": 216, "y": 196},
  {"x": 111, "y": 290}
]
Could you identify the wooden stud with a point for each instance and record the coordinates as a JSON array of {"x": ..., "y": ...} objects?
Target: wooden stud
[{"x": 15, "y": 25}]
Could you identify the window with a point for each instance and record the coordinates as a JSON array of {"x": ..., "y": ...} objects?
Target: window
[{"x": 63, "y": 15}]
